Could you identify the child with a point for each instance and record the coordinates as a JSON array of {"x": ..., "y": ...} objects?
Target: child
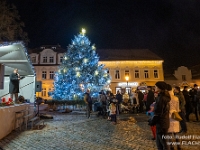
[
  {"x": 151, "y": 113},
  {"x": 113, "y": 109}
]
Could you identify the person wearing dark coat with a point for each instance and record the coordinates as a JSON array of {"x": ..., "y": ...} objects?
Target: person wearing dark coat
[
  {"x": 188, "y": 104},
  {"x": 181, "y": 99},
  {"x": 14, "y": 85},
  {"x": 119, "y": 97},
  {"x": 161, "y": 109},
  {"x": 150, "y": 98},
  {"x": 140, "y": 98},
  {"x": 194, "y": 99}
]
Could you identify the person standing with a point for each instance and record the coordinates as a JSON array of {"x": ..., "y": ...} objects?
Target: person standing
[
  {"x": 126, "y": 98},
  {"x": 14, "y": 85},
  {"x": 181, "y": 99},
  {"x": 174, "y": 126},
  {"x": 150, "y": 98},
  {"x": 103, "y": 103},
  {"x": 140, "y": 98},
  {"x": 119, "y": 99},
  {"x": 88, "y": 99},
  {"x": 112, "y": 109},
  {"x": 193, "y": 96},
  {"x": 145, "y": 98},
  {"x": 161, "y": 110},
  {"x": 188, "y": 105},
  {"x": 153, "y": 127}
]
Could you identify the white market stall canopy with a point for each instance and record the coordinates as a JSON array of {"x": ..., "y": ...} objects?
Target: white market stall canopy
[{"x": 14, "y": 55}]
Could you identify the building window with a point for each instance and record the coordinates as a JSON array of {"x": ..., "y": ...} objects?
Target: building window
[
  {"x": 33, "y": 59},
  {"x": 146, "y": 74},
  {"x": 51, "y": 59},
  {"x": 137, "y": 74},
  {"x": 155, "y": 73},
  {"x": 44, "y": 59},
  {"x": 61, "y": 59},
  {"x": 51, "y": 74},
  {"x": 44, "y": 74},
  {"x": 184, "y": 77},
  {"x": 44, "y": 91},
  {"x": 126, "y": 73},
  {"x": 117, "y": 75}
]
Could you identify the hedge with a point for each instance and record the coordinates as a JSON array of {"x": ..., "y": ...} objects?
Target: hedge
[{"x": 65, "y": 102}]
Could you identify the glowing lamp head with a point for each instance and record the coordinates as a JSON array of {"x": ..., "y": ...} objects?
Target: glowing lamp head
[{"x": 127, "y": 78}]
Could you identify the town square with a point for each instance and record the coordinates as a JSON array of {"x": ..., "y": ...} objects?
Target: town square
[{"x": 97, "y": 74}]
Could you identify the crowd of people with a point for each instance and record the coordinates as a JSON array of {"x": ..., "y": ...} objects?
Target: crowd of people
[{"x": 161, "y": 102}]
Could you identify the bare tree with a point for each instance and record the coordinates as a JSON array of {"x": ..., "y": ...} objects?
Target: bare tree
[{"x": 11, "y": 27}]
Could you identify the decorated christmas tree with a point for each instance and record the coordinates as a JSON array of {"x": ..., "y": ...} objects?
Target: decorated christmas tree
[{"x": 79, "y": 71}]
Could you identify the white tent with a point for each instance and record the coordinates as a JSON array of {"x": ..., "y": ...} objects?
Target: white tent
[{"x": 14, "y": 55}]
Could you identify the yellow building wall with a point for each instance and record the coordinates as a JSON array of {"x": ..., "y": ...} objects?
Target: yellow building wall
[{"x": 132, "y": 66}]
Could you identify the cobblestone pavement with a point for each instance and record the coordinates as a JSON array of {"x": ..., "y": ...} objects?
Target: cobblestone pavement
[{"x": 76, "y": 132}]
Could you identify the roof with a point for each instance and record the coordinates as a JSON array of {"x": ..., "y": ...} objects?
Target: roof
[
  {"x": 169, "y": 77},
  {"x": 14, "y": 55},
  {"x": 126, "y": 54},
  {"x": 195, "y": 71},
  {"x": 55, "y": 48}
]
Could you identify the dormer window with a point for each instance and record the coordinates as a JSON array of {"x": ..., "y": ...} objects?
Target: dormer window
[
  {"x": 51, "y": 59},
  {"x": 33, "y": 59},
  {"x": 44, "y": 59}
]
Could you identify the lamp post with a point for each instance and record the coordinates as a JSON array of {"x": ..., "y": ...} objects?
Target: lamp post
[{"x": 127, "y": 78}]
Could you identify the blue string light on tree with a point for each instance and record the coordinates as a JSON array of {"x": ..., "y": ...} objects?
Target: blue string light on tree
[{"x": 79, "y": 71}]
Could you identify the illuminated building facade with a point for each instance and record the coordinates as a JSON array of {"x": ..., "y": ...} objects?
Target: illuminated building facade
[{"x": 128, "y": 68}]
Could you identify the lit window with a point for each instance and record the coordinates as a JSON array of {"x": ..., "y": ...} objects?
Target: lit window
[
  {"x": 184, "y": 77},
  {"x": 44, "y": 91},
  {"x": 45, "y": 59},
  {"x": 44, "y": 74},
  {"x": 117, "y": 75},
  {"x": 51, "y": 59},
  {"x": 33, "y": 59},
  {"x": 126, "y": 73},
  {"x": 155, "y": 74},
  {"x": 51, "y": 74},
  {"x": 137, "y": 74},
  {"x": 146, "y": 74}
]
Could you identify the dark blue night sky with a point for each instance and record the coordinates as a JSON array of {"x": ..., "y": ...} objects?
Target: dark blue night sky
[{"x": 171, "y": 29}]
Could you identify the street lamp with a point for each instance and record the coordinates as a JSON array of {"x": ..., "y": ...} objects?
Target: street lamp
[{"x": 127, "y": 78}]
